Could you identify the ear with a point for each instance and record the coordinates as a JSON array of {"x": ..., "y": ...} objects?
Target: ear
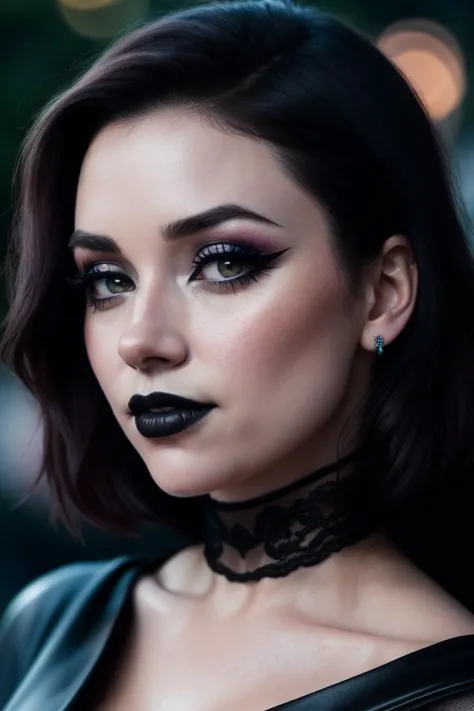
[{"x": 390, "y": 292}]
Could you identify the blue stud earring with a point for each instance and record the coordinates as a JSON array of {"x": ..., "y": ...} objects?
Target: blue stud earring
[{"x": 378, "y": 340}]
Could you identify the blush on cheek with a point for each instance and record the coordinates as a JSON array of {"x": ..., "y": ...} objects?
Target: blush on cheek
[
  {"x": 297, "y": 353},
  {"x": 311, "y": 314}
]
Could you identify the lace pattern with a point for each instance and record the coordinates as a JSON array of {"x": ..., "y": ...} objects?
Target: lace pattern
[{"x": 273, "y": 535}]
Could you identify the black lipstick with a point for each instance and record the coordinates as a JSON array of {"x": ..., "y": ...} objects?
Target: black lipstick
[{"x": 153, "y": 421}]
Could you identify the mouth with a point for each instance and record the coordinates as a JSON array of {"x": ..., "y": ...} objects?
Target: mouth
[
  {"x": 162, "y": 414},
  {"x": 160, "y": 402}
]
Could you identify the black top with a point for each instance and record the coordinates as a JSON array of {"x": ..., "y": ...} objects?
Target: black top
[{"x": 54, "y": 637}]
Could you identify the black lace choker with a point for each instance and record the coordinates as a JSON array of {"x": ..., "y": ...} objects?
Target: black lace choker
[{"x": 272, "y": 535}]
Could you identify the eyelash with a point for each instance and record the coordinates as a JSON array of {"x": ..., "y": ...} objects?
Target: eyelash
[{"x": 214, "y": 253}]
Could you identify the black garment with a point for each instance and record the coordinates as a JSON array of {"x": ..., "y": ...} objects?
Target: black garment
[{"x": 63, "y": 627}]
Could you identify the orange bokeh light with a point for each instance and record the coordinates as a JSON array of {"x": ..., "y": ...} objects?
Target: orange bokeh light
[{"x": 431, "y": 60}]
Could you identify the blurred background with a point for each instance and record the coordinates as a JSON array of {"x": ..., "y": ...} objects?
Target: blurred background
[{"x": 44, "y": 45}]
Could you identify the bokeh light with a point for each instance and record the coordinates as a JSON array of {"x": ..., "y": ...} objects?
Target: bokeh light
[
  {"x": 431, "y": 60},
  {"x": 102, "y": 19}
]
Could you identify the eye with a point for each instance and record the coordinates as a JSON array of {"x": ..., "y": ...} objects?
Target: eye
[
  {"x": 103, "y": 283},
  {"x": 229, "y": 261},
  {"x": 223, "y": 267},
  {"x": 103, "y": 287}
]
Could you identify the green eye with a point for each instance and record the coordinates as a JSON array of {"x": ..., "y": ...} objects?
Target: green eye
[
  {"x": 229, "y": 267},
  {"x": 115, "y": 285}
]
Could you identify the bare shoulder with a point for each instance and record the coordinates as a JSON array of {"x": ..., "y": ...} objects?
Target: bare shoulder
[
  {"x": 439, "y": 615},
  {"x": 415, "y": 608}
]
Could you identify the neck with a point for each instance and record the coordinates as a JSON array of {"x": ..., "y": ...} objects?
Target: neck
[{"x": 299, "y": 525}]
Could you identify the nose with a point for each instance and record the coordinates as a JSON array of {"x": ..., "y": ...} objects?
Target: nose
[{"x": 152, "y": 335}]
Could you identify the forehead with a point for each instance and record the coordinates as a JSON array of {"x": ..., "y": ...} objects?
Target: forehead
[{"x": 177, "y": 161}]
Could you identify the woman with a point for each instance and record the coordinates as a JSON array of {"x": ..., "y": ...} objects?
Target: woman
[{"x": 242, "y": 296}]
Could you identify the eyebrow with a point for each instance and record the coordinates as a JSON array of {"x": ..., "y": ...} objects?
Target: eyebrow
[{"x": 175, "y": 230}]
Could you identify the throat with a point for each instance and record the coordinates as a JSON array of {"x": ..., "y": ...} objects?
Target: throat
[{"x": 270, "y": 536}]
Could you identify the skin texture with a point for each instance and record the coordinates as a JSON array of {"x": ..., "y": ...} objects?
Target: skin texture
[{"x": 287, "y": 359}]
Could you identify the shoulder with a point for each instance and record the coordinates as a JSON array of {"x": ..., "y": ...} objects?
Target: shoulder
[
  {"x": 59, "y": 604},
  {"x": 48, "y": 592},
  {"x": 47, "y": 596}
]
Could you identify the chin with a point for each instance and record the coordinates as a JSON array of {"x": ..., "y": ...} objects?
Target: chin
[
  {"x": 186, "y": 491},
  {"x": 185, "y": 473},
  {"x": 182, "y": 482}
]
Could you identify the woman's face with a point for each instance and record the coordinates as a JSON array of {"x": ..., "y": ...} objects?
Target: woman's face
[{"x": 278, "y": 353}]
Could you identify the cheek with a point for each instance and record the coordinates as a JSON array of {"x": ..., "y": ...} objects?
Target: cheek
[
  {"x": 295, "y": 352},
  {"x": 101, "y": 348}
]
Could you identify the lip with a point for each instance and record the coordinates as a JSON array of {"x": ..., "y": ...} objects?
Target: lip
[
  {"x": 141, "y": 404},
  {"x": 153, "y": 425}
]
